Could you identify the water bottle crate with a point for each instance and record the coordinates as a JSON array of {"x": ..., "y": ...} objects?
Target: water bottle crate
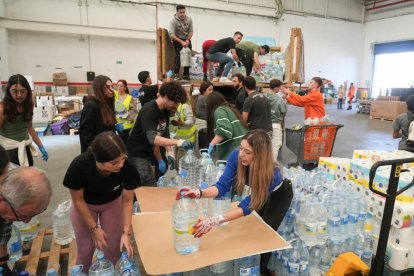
[{"x": 42, "y": 253}]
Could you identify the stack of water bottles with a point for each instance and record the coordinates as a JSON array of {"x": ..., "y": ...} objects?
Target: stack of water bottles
[{"x": 324, "y": 220}]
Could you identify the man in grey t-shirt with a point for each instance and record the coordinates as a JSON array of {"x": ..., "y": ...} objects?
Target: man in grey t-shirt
[
  {"x": 181, "y": 32},
  {"x": 401, "y": 125}
]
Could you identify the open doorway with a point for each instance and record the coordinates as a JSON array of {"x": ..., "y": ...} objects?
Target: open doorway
[{"x": 393, "y": 67}]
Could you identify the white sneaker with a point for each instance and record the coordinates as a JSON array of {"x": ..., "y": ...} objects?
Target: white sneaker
[{"x": 224, "y": 79}]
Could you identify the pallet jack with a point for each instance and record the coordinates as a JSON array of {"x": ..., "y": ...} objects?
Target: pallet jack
[{"x": 350, "y": 264}]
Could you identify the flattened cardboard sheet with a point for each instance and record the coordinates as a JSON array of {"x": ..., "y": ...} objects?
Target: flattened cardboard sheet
[
  {"x": 245, "y": 236},
  {"x": 155, "y": 199}
]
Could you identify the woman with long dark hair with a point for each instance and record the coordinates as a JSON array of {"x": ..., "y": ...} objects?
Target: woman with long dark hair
[
  {"x": 98, "y": 114},
  {"x": 125, "y": 109},
  {"x": 16, "y": 115},
  {"x": 252, "y": 173},
  {"x": 225, "y": 127},
  {"x": 101, "y": 182}
]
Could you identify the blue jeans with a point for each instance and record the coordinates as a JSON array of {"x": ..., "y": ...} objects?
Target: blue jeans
[{"x": 225, "y": 61}]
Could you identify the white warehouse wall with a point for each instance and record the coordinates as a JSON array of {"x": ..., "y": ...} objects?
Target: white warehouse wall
[
  {"x": 381, "y": 31},
  {"x": 125, "y": 32}
]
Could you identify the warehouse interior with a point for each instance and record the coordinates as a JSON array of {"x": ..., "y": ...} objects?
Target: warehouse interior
[{"x": 57, "y": 44}]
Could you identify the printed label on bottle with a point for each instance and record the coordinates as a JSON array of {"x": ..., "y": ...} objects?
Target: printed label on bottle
[
  {"x": 183, "y": 173},
  {"x": 334, "y": 221},
  {"x": 322, "y": 228},
  {"x": 344, "y": 220},
  {"x": 15, "y": 246},
  {"x": 310, "y": 228},
  {"x": 285, "y": 260},
  {"x": 303, "y": 266},
  {"x": 251, "y": 271},
  {"x": 353, "y": 218},
  {"x": 362, "y": 216},
  {"x": 293, "y": 267}
]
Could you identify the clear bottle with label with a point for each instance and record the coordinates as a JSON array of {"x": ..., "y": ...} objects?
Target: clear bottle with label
[{"x": 14, "y": 245}]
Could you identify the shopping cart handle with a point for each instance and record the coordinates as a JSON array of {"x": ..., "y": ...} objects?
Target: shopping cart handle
[{"x": 397, "y": 163}]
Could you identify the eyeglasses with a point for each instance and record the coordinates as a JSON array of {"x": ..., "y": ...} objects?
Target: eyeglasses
[
  {"x": 15, "y": 213},
  {"x": 18, "y": 91}
]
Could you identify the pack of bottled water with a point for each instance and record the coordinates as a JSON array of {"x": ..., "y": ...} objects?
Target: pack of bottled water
[{"x": 325, "y": 219}]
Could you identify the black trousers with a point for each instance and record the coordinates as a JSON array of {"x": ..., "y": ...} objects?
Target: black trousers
[
  {"x": 177, "y": 60},
  {"x": 273, "y": 214},
  {"x": 124, "y": 135},
  {"x": 246, "y": 60},
  {"x": 203, "y": 141},
  {"x": 14, "y": 156}
]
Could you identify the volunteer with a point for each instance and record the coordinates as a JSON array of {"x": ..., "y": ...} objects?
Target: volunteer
[{"x": 125, "y": 109}]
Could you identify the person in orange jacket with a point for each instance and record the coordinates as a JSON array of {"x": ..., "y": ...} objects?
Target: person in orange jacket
[
  {"x": 312, "y": 102},
  {"x": 351, "y": 94}
]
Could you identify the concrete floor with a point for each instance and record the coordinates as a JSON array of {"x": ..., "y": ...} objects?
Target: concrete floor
[{"x": 359, "y": 133}]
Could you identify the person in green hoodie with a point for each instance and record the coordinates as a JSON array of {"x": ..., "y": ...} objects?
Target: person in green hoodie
[{"x": 225, "y": 126}]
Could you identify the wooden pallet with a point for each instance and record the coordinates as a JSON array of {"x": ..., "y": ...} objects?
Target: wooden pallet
[
  {"x": 44, "y": 252},
  {"x": 381, "y": 118}
]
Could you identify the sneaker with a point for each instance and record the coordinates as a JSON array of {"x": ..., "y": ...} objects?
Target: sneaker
[
  {"x": 224, "y": 79},
  {"x": 177, "y": 77},
  {"x": 215, "y": 79}
]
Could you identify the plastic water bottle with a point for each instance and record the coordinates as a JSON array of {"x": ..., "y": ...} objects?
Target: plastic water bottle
[
  {"x": 358, "y": 245},
  {"x": 363, "y": 213},
  {"x": 136, "y": 208},
  {"x": 51, "y": 272},
  {"x": 204, "y": 271},
  {"x": 189, "y": 170},
  {"x": 28, "y": 231},
  {"x": 62, "y": 226},
  {"x": 129, "y": 270},
  {"x": 76, "y": 270},
  {"x": 353, "y": 215},
  {"x": 315, "y": 260},
  {"x": 335, "y": 250},
  {"x": 272, "y": 264},
  {"x": 249, "y": 265},
  {"x": 334, "y": 220},
  {"x": 102, "y": 266},
  {"x": 325, "y": 262},
  {"x": 219, "y": 205},
  {"x": 222, "y": 269},
  {"x": 303, "y": 259},
  {"x": 294, "y": 261},
  {"x": 206, "y": 180},
  {"x": 161, "y": 182},
  {"x": 204, "y": 157},
  {"x": 14, "y": 245},
  {"x": 368, "y": 246},
  {"x": 313, "y": 221},
  {"x": 184, "y": 216},
  {"x": 21, "y": 273},
  {"x": 122, "y": 264}
]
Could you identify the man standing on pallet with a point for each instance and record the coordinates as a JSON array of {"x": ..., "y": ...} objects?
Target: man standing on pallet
[
  {"x": 181, "y": 32},
  {"x": 24, "y": 193}
]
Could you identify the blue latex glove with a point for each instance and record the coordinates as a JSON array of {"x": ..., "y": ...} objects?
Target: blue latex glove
[
  {"x": 162, "y": 167},
  {"x": 45, "y": 156},
  {"x": 210, "y": 149},
  {"x": 170, "y": 73},
  {"x": 119, "y": 127}
]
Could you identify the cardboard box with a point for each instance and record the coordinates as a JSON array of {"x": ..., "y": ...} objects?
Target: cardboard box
[
  {"x": 60, "y": 79},
  {"x": 81, "y": 90},
  {"x": 388, "y": 110}
]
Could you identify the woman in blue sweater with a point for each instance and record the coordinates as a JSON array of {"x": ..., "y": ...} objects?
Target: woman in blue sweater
[{"x": 252, "y": 169}]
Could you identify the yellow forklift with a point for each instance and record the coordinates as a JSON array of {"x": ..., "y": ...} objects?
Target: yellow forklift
[{"x": 350, "y": 264}]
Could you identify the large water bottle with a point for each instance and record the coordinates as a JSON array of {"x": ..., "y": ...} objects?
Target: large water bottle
[
  {"x": 102, "y": 266},
  {"x": 249, "y": 265},
  {"x": 129, "y": 270},
  {"x": 122, "y": 264},
  {"x": 14, "y": 245},
  {"x": 189, "y": 170},
  {"x": 62, "y": 226},
  {"x": 222, "y": 269},
  {"x": 206, "y": 180},
  {"x": 76, "y": 270},
  {"x": 161, "y": 182},
  {"x": 28, "y": 231},
  {"x": 184, "y": 216},
  {"x": 220, "y": 205},
  {"x": 353, "y": 215},
  {"x": 334, "y": 219}
]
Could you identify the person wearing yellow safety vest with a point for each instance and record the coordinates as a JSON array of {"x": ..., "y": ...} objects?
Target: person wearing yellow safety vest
[
  {"x": 185, "y": 122},
  {"x": 125, "y": 109}
]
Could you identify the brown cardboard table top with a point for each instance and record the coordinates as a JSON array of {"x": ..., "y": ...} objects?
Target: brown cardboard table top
[
  {"x": 155, "y": 199},
  {"x": 245, "y": 236}
]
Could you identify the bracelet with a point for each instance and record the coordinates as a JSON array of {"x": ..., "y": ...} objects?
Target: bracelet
[
  {"x": 201, "y": 193},
  {"x": 4, "y": 258},
  {"x": 93, "y": 229},
  {"x": 128, "y": 233}
]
